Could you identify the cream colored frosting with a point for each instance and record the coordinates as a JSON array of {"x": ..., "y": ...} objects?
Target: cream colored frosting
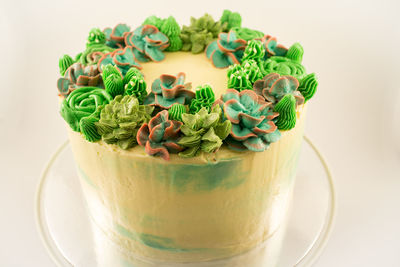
[{"x": 187, "y": 210}]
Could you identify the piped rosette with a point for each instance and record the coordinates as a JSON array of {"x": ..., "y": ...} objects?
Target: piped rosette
[
  {"x": 160, "y": 136},
  {"x": 226, "y": 51},
  {"x": 168, "y": 90},
  {"x": 252, "y": 119}
]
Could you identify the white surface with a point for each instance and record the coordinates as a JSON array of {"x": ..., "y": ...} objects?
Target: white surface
[{"x": 353, "y": 46}]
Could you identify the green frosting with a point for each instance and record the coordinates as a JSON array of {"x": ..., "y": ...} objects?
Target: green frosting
[
  {"x": 114, "y": 85},
  {"x": 254, "y": 50},
  {"x": 203, "y": 131},
  {"x": 308, "y": 86},
  {"x": 283, "y": 66},
  {"x": 153, "y": 20},
  {"x": 204, "y": 98},
  {"x": 136, "y": 87},
  {"x": 230, "y": 20},
  {"x": 130, "y": 73},
  {"x": 64, "y": 63},
  {"x": 176, "y": 111},
  {"x": 239, "y": 81},
  {"x": 93, "y": 53},
  {"x": 88, "y": 127},
  {"x": 96, "y": 36},
  {"x": 247, "y": 34},
  {"x": 81, "y": 103},
  {"x": 108, "y": 70},
  {"x": 121, "y": 119},
  {"x": 286, "y": 108},
  {"x": 252, "y": 70},
  {"x": 200, "y": 33},
  {"x": 295, "y": 53},
  {"x": 172, "y": 30}
]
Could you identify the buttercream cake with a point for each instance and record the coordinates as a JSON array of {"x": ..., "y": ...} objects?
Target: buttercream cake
[{"x": 186, "y": 139}]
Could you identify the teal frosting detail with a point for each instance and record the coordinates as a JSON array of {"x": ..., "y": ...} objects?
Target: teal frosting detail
[
  {"x": 82, "y": 103},
  {"x": 114, "y": 85},
  {"x": 308, "y": 86},
  {"x": 203, "y": 131},
  {"x": 254, "y": 51},
  {"x": 204, "y": 98},
  {"x": 252, "y": 119},
  {"x": 176, "y": 111},
  {"x": 199, "y": 33},
  {"x": 123, "y": 59},
  {"x": 96, "y": 36},
  {"x": 115, "y": 36},
  {"x": 77, "y": 75},
  {"x": 121, "y": 119},
  {"x": 64, "y": 63},
  {"x": 247, "y": 34},
  {"x": 295, "y": 53},
  {"x": 284, "y": 66},
  {"x": 136, "y": 87},
  {"x": 168, "y": 90},
  {"x": 272, "y": 48},
  {"x": 227, "y": 50},
  {"x": 274, "y": 87},
  {"x": 230, "y": 20},
  {"x": 148, "y": 42},
  {"x": 173, "y": 31},
  {"x": 160, "y": 136},
  {"x": 286, "y": 108}
]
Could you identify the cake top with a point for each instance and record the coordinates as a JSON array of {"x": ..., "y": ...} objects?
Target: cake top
[{"x": 109, "y": 91}]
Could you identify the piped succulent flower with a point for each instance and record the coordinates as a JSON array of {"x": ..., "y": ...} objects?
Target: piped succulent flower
[
  {"x": 172, "y": 30},
  {"x": 283, "y": 66},
  {"x": 203, "y": 131},
  {"x": 148, "y": 42},
  {"x": 153, "y": 20},
  {"x": 122, "y": 58},
  {"x": 81, "y": 103},
  {"x": 204, "y": 98},
  {"x": 199, "y": 33},
  {"x": 254, "y": 51},
  {"x": 230, "y": 20},
  {"x": 247, "y": 34},
  {"x": 115, "y": 37},
  {"x": 295, "y": 53},
  {"x": 274, "y": 87},
  {"x": 239, "y": 80},
  {"x": 96, "y": 36},
  {"x": 227, "y": 50},
  {"x": 121, "y": 119},
  {"x": 168, "y": 90},
  {"x": 95, "y": 48},
  {"x": 136, "y": 86},
  {"x": 77, "y": 75},
  {"x": 160, "y": 136},
  {"x": 64, "y": 63},
  {"x": 176, "y": 111},
  {"x": 272, "y": 48},
  {"x": 252, "y": 119},
  {"x": 308, "y": 86},
  {"x": 286, "y": 108}
]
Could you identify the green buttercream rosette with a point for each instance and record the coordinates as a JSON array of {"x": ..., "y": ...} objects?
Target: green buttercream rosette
[
  {"x": 121, "y": 119},
  {"x": 247, "y": 34},
  {"x": 283, "y": 66},
  {"x": 203, "y": 131},
  {"x": 82, "y": 103},
  {"x": 204, "y": 98}
]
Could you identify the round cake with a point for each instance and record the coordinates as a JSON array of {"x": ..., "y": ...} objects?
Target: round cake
[{"x": 186, "y": 139}]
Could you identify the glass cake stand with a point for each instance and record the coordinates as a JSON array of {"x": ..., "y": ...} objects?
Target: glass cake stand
[{"x": 66, "y": 230}]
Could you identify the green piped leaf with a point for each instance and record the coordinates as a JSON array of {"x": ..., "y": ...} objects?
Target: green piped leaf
[
  {"x": 308, "y": 86},
  {"x": 286, "y": 108},
  {"x": 64, "y": 63},
  {"x": 114, "y": 85},
  {"x": 254, "y": 50},
  {"x": 176, "y": 112},
  {"x": 295, "y": 53}
]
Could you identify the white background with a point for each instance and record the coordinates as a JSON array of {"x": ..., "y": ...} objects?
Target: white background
[{"x": 353, "y": 46}]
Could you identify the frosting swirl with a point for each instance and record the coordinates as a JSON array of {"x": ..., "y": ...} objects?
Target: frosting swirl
[{"x": 82, "y": 103}]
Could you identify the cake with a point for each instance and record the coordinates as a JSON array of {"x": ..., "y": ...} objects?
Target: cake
[{"x": 177, "y": 175}]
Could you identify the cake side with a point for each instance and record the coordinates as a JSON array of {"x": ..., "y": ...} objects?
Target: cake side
[{"x": 196, "y": 210}]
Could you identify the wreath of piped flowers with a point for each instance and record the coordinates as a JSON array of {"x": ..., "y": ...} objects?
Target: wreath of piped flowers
[{"x": 106, "y": 97}]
